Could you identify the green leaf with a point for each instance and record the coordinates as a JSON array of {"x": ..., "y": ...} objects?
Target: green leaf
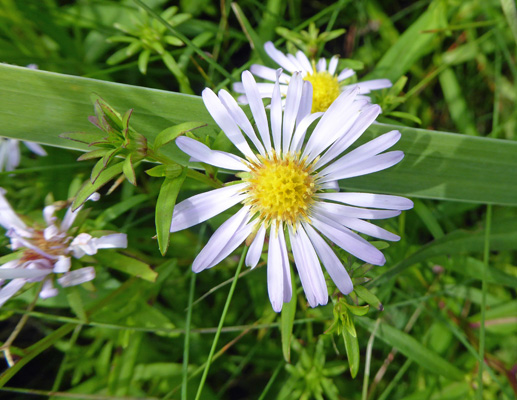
[
  {"x": 171, "y": 133},
  {"x": 89, "y": 188},
  {"x": 165, "y": 207},
  {"x": 129, "y": 171},
  {"x": 126, "y": 264},
  {"x": 143, "y": 60},
  {"x": 170, "y": 171},
  {"x": 352, "y": 352},
  {"x": 503, "y": 236},
  {"x": 92, "y": 154},
  {"x": 287, "y": 323},
  {"x": 368, "y": 297},
  {"x": 437, "y": 165},
  {"x": 414, "y": 350},
  {"x": 255, "y": 41},
  {"x": 75, "y": 302},
  {"x": 413, "y": 44},
  {"x": 109, "y": 214}
]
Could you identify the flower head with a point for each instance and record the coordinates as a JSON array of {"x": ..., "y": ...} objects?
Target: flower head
[
  {"x": 10, "y": 152},
  {"x": 46, "y": 251},
  {"x": 326, "y": 83},
  {"x": 284, "y": 187}
]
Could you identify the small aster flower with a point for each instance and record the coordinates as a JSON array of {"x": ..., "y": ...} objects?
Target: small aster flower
[
  {"x": 326, "y": 83},
  {"x": 47, "y": 252},
  {"x": 10, "y": 152},
  {"x": 284, "y": 188}
]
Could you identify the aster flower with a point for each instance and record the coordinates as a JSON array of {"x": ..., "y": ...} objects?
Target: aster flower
[
  {"x": 284, "y": 185},
  {"x": 326, "y": 83},
  {"x": 47, "y": 252},
  {"x": 10, "y": 152}
]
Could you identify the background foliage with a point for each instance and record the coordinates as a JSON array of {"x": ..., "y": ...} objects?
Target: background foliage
[{"x": 454, "y": 268}]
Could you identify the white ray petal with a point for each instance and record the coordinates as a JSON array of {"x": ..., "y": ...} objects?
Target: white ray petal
[
  {"x": 330, "y": 126},
  {"x": 346, "y": 73},
  {"x": 304, "y": 62},
  {"x": 241, "y": 119},
  {"x": 301, "y": 129},
  {"x": 226, "y": 123},
  {"x": 35, "y": 148},
  {"x": 348, "y": 241},
  {"x": 376, "y": 84},
  {"x": 113, "y": 241},
  {"x": 263, "y": 72},
  {"x": 216, "y": 247},
  {"x": 77, "y": 277},
  {"x": 255, "y": 250},
  {"x": 336, "y": 210},
  {"x": 276, "y": 115},
  {"x": 333, "y": 65},
  {"x": 203, "y": 206},
  {"x": 364, "y": 152},
  {"x": 369, "y": 166},
  {"x": 332, "y": 264},
  {"x": 8, "y": 218},
  {"x": 15, "y": 273},
  {"x": 203, "y": 153},
  {"x": 62, "y": 265},
  {"x": 9, "y": 290},
  {"x": 288, "y": 288},
  {"x": 368, "y": 228},
  {"x": 275, "y": 275},
  {"x": 292, "y": 105},
  {"x": 309, "y": 268},
  {"x": 48, "y": 290},
  {"x": 370, "y": 200},
  {"x": 363, "y": 121},
  {"x": 322, "y": 65},
  {"x": 279, "y": 57},
  {"x": 257, "y": 107},
  {"x": 306, "y": 102},
  {"x": 296, "y": 63}
]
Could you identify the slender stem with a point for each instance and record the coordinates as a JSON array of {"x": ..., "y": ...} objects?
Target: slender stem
[
  {"x": 271, "y": 380},
  {"x": 62, "y": 367},
  {"x": 19, "y": 326},
  {"x": 486, "y": 255},
  {"x": 186, "y": 343},
  {"x": 369, "y": 348},
  {"x": 221, "y": 322}
]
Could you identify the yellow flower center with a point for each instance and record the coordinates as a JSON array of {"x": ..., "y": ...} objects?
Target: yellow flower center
[
  {"x": 280, "y": 189},
  {"x": 325, "y": 89}
]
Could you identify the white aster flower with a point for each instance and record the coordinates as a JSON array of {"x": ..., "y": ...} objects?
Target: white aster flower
[
  {"x": 284, "y": 187},
  {"x": 47, "y": 251},
  {"x": 327, "y": 84},
  {"x": 10, "y": 152}
]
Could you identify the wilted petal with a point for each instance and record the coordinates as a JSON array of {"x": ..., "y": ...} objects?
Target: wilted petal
[{"x": 77, "y": 277}]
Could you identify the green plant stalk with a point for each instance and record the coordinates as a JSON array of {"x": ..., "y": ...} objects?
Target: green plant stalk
[
  {"x": 384, "y": 395},
  {"x": 186, "y": 343},
  {"x": 486, "y": 255},
  {"x": 62, "y": 367},
  {"x": 271, "y": 381},
  {"x": 221, "y": 322},
  {"x": 369, "y": 348}
]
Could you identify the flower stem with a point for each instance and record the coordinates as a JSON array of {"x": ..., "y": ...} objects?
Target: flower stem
[{"x": 220, "y": 326}]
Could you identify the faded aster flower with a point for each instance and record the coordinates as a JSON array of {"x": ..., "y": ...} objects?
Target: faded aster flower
[
  {"x": 326, "y": 83},
  {"x": 284, "y": 187},
  {"x": 46, "y": 252},
  {"x": 10, "y": 152}
]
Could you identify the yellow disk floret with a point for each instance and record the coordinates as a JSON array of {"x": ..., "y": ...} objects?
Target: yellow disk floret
[
  {"x": 325, "y": 89},
  {"x": 280, "y": 189}
]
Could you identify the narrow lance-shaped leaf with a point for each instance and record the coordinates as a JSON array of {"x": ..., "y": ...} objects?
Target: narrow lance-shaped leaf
[
  {"x": 413, "y": 350},
  {"x": 129, "y": 265},
  {"x": 89, "y": 188},
  {"x": 287, "y": 322},
  {"x": 165, "y": 207},
  {"x": 352, "y": 352},
  {"x": 128, "y": 169},
  {"x": 171, "y": 133}
]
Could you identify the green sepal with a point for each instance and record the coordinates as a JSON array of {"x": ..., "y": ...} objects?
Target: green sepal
[
  {"x": 173, "y": 40},
  {"x": 97, "y": 153},
  {"x": 143, "y": 60},
  {"x": 82, "y": 137},
  {"x": 165, "y": 207},
  {"x": 129, "y": 170},
  {"x": 358, "y": 310}
]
